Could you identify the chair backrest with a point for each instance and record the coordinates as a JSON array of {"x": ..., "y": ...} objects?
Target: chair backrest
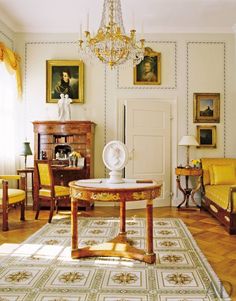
[{"x": 44, "y": 173}]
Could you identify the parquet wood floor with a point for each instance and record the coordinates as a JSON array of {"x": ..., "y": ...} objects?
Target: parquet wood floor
[{"x": 216, "y": 244}]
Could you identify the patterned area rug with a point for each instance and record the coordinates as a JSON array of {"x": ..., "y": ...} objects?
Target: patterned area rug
[{"x": 41, "y": 268}]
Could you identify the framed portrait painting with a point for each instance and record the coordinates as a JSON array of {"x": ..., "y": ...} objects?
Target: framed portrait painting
[
  {"x": 206, "y": 136},
  {"x": 64, "y": 77},
  {"x": 148, "y": 71},
  {"x": 206, "y": 107}
]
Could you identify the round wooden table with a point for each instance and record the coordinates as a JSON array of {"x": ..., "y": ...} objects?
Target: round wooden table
[{"x": 100, "y": 190}]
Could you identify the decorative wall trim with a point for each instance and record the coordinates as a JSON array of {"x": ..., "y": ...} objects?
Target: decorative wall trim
[
  {"x": 26, "y": 56},
  {"x": 27, "y": 44},
  {"x": 7, "y": 37},
  {"x": 105, "y": 113},
  {"x": 50, "y": 42},
  {"x": 187, "y": 88},
  {"x": 224, "y": 88},
  {"x": 156, "y": 87},
  {"x": 225, "y": 105}
]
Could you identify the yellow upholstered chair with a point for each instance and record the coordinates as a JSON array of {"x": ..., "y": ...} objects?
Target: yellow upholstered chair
[
  {"x": 46, "y": 190},
  {"x": 11, "y": 197}
]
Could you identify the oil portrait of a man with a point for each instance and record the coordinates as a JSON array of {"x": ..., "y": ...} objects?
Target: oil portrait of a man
[{"x": 65, "y": 77}]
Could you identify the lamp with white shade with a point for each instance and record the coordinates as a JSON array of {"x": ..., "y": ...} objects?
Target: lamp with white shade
[{"x": 188, "y": 141}]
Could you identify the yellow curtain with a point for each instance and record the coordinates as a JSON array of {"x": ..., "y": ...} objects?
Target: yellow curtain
[{"x": 12, "y": 62}]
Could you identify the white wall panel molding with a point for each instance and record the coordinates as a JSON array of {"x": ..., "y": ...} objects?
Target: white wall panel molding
[
  {"x": 105, "y": 113},
  {"x": 94, "y": 108},
  {"x": 37, "y": 43},
  {"x": 206, "y": 72},
  {"x": 168, "y": 51},
  {"x": 190, "y": 63}
]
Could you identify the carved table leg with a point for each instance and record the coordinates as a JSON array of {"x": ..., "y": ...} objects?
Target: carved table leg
[
  {"x": 74, "y": 225},
  {"x": 150, "y": 256},
  {"x": 182, "y": 190},
  {"x": 187, "y": 191},
  {"x": 122, "y": 217},
  {"x": 195, "y": 190}
]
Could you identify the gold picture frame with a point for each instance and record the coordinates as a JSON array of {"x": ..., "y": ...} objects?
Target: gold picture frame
[
  {"x": 64, "y": 77},
  {"x": 148, "y": 71},
  {"x": 206, "y": 136},
  {"x": 206, "y": 107}
]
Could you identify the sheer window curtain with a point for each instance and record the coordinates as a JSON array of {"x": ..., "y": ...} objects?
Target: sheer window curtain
[{"x": 9, "y": 139}]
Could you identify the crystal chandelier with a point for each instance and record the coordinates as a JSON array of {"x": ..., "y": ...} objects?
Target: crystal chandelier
[{"x": 110, "y": 44}]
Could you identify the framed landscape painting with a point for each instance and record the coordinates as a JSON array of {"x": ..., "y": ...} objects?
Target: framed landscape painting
[
  {"x": 148, "y": 71},
  {"x": 64, "y": 77},
  {"x": 206, "y": 107},
  {"x": 206, "y": 136}
]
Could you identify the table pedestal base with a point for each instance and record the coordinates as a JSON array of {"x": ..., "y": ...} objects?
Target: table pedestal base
[
  {"x": 121, "y": 245},
  {"x": 117, "y": 247}
]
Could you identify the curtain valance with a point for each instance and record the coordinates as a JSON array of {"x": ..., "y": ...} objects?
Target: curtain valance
[{"x": 12, "y": 62}]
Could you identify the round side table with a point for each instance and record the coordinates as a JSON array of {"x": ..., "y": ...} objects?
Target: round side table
[{"x": 187, "y": 191}]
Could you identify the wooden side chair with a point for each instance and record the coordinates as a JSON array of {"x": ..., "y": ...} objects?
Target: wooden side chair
[
  {"x": 11, "y": 197},
  {"x": 46, "y": 190}
]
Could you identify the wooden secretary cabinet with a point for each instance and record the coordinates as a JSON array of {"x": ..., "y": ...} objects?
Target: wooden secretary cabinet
[{"x": 54, "y": 140}]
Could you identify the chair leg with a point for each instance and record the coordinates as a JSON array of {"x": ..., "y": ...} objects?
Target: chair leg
[
  {"x": 5, "y": 207},
  {"x": 57, "y": 207},
  {"x": 22, "y": 211},
  {"x": 5, "y": 219},
  {"x": 38, "y": 209},
  {"x": 52, "y": 207}
]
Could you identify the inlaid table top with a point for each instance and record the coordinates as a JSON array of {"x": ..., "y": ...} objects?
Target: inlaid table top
[
  {"x": 103, "y": 184},
  {"x": 102, "y": 190}
]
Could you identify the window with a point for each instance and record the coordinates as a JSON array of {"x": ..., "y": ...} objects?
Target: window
[{"x": 8, "y": 121}]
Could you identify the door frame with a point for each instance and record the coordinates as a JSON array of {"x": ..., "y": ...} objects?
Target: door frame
[{"x": 173, "y": 133}]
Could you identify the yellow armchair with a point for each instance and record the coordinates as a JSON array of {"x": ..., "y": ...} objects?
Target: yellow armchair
[
  {"x": 46, "y": 190},
  {"x": 11, "y": 197}
]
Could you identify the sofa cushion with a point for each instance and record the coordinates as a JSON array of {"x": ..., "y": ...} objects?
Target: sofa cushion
[
  {"x": 219, "y": 194},
  {"x": 223, "y": 174},
  {"x": 59, "y": 191},
  {"x": 14, "y": 196},
  {"x": 211, "y": 175},
  {"x": 207, "y": 162}
]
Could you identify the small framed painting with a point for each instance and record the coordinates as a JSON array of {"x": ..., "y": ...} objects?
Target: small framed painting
[
  {"x": 65, "y": 77},
  {"x": 206, "y": 136},
  {"x": 206, "y": 107},
  {"x": 148, "y": 71}
]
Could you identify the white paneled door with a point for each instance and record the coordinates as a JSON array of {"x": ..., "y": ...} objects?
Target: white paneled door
[{"x": 147, "y": 136}]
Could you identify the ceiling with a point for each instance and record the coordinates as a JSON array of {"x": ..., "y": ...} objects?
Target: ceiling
[{"x": 154, "y": 16}]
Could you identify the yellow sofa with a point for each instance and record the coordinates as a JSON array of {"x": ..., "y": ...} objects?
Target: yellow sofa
[{"x": 219, "y": 190}]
